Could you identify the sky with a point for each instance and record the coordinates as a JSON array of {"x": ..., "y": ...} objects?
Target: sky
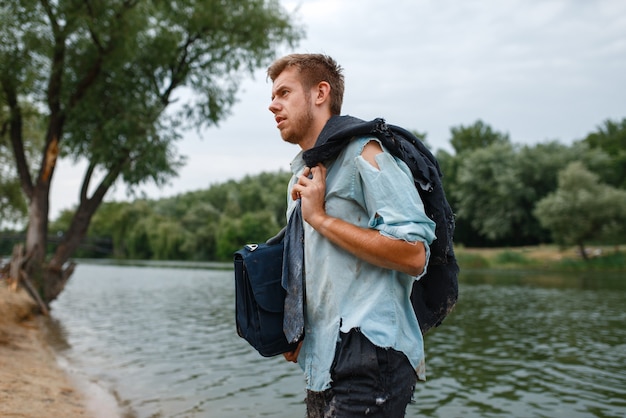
[{"x": 538, "y": 70}]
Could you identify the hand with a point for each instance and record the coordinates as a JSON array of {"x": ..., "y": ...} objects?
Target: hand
[
  {"x": 292, "y": 356},
  {"x": 311, "y": 189}
]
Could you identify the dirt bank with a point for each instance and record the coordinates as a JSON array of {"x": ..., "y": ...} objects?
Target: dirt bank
[{"x": 32, "y": 384}]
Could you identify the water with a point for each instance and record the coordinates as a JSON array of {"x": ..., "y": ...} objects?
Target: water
[{"x": 163, "y": 341}]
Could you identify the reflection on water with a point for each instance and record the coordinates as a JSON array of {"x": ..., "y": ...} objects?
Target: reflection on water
[{"x": 516, "y": 346}]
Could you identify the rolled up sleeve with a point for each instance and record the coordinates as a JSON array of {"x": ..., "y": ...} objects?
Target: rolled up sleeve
[{"x": 393, "y": 204}]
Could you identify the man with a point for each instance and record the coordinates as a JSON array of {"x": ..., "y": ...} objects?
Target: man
[{"x": 366, "y": 240}]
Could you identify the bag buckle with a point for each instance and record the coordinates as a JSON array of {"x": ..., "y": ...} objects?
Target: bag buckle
[{"x": 251, "y": 247}]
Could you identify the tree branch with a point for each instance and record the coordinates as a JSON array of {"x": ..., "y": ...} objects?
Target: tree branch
[
  {"x": 85, "y": 211},
  {"x": 105, "y": 184},
  {"x": 109, "y": 179},
  {"x": 177, "y": 72},
  {"x": 49, "y": 12},
  {"x": 86, "y": 180},
  {"x": 55, "y": 83},
  {"x": 17, "y": 140},
  {"x": 94, "y": 37}
]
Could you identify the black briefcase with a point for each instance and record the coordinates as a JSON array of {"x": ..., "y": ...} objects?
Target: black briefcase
[{"x": 260, "y": 298}]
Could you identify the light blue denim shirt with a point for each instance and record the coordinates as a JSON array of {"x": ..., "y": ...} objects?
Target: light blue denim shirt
[{"x": 345, "y": 292}]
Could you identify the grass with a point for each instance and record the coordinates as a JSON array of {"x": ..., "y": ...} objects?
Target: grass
[{"x": 542, "y": 257}]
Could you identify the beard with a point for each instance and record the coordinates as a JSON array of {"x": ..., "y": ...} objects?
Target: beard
[{"x": 300, "y": 126}]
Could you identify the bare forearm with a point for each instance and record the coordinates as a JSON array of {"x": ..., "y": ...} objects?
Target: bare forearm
[
  {"x": 369, "y": 245},
  {"x": 366, "y": 243}
]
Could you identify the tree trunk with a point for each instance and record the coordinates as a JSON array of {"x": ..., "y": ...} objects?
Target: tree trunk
[
  {"x": 47, "y": 280},
  {"x": 583, "y": 252},
  {"x": 17, "y": 276},
  {"x": 36, "y": 239},
  {"x": 58, "y": 269},
  {"x": 50, "y": 276}
]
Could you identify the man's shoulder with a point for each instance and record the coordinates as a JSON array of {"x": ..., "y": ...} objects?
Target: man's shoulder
[{"x": 357, "y": 143}]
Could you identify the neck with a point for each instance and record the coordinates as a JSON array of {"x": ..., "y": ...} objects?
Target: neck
[{"x": 314, "y": 132}]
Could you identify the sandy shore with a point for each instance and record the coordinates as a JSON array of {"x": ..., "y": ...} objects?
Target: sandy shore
[{"x": 32, "y": 384}]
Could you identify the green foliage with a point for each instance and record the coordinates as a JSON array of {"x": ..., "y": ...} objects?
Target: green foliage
[
  {"x": 476, "y": 136},
  {"x": 204, "y": 225},
  {"x": 115, "y": 82},
  {"x": 611, "y": 138},
  {"x": 583, "y": 210},
  {"x": 165, "y": 237},
  {"x": 464, "y": 140},
  {"x": 494, "y": 189},
  {"x": 471, "y": 261},
  {"x": 139, "y": 54},
  {"x": 8, "y": 239},
  {"x": 485, "y": 184},
  {"x": 12, "y": 203},
  {"x": 613, "y": 261},
  {"x": 250, "y": 228},
  {"x": 510, "y": 257}
]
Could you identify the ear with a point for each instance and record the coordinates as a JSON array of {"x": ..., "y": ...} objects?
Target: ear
[{"x": 322, "y": 93}]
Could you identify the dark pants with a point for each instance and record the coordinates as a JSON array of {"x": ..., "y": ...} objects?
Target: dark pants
[{"x": 366, "y": 381}]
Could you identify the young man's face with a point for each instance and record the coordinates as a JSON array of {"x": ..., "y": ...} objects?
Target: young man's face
[{"x": 291, "y": 106}]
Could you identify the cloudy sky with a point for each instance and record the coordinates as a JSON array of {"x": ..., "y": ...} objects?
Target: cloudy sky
[{"x": 538, "y": 70}]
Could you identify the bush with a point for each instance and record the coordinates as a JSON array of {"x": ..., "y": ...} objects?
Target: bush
[
  {"x": 615, "y": 261},
  {"x": 471, "y": 261},
  {"x": 511, "y": 257}
]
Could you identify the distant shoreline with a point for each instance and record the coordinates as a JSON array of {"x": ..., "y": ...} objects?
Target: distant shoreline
[
  {"x": 547, "y": 257},
  {"x": 550, "y": 258}
]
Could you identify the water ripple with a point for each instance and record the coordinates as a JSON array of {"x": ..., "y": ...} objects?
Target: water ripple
[{"x": 165, "y": 340}]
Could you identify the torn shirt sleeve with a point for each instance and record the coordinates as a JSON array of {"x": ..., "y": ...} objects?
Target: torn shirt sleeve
[{"x": 393, "y": 204}]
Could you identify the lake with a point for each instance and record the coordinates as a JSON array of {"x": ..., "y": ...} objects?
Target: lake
[{"x": 162, "y": 342}]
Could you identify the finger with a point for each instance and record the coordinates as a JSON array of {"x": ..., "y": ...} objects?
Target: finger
[
  {"x": 319, "y": 171},
  {"x": 292, "y": 356},
  {"x": 305, "y": 178},
  {"x": 297, "y": 352},
  {"x": 296, "y": 191}
]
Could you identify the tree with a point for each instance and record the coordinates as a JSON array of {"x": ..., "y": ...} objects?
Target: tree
[
  {"x": 12, "y": 204},
  {"x": 188, "y": 226},
  {"x": 250, "y": 228},
  {"x": 498, "y": 186},
  {"x": 464, "y": 140},
  {"x": 582, "y": 209},
  {"x": 494, "y": 186},
  {"x": 537, "y": 169},
  {"x": 485, "y": 190},
  {"x": 476, "y": 136},
  {"x": 103, "y": 75},
  {"x": 611, "y": 138}
]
